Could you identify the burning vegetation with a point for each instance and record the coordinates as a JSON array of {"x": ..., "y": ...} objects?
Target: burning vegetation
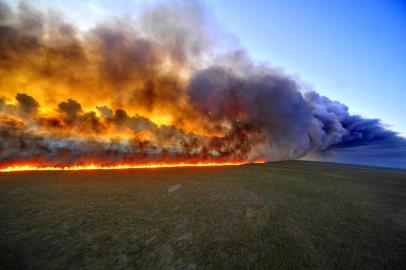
[{"x": 153, "y": 91}]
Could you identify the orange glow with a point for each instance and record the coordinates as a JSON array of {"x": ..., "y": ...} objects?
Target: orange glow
[
  {"x": 113, "y": 97},
  {"x": 120, "y": 167}
]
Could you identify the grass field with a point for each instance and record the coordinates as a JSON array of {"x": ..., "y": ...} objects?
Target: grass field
[{"x": 286, "y": 215}]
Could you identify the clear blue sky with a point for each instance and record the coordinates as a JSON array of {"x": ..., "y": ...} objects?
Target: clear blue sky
[{"x": 351, "y": 51}]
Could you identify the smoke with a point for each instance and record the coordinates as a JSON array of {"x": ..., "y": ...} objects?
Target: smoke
[
  {"x": 27, "y": 104},
  {"x": 264, "y": 104},
  {"x": 339, "y": 129},
  {"x": 156, "y": 89},
  {"x": 346, "y": 138}
]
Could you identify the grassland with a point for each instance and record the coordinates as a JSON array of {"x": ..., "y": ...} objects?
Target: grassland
[{"x": 288, "y": 215}]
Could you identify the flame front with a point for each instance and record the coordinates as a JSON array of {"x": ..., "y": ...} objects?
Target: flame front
[{"x": 119, "y": 167}]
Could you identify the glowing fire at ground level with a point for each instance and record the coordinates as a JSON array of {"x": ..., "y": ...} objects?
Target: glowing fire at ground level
[{"x": 120, "y": 167}]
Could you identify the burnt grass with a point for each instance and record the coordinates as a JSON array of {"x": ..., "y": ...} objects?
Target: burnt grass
[{"x": 288, "y": 215}]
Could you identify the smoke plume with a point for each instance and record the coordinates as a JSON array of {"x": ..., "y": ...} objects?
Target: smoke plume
[{"x": 156, "y": 89}]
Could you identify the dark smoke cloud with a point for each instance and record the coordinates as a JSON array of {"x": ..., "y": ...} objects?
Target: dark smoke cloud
[
  {"x": 223, "y": 107},
  {"x": 70, "y": 108},
  {"x": 27, "y": 104},
  {"x": 346, "y": 138},
  {"x": 337, "y": 128},
  {"x": 261, "y": 103}
]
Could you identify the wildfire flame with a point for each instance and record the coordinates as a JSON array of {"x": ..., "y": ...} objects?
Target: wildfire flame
[{"x": 121, "y": 167}]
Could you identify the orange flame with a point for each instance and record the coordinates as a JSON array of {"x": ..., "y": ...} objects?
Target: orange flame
[
  {"x": 120, "y": 167},
  {"x": 114, "y": 97}
]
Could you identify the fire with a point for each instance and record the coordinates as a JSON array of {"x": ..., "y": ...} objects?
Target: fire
[
  {"x": 124, "y": 96},
  {"x": 121, "y": 167},
  {"x": 144, "y": 92}
]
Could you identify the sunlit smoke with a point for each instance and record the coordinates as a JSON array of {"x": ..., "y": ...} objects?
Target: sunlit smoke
[{"x": 154, "y": 91}]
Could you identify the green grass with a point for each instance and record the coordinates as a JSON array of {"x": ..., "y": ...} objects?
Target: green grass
[{"x": 287, "y": 215}]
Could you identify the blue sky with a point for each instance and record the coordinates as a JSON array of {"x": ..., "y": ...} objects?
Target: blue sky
[{"x": 350, "y": 51}]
